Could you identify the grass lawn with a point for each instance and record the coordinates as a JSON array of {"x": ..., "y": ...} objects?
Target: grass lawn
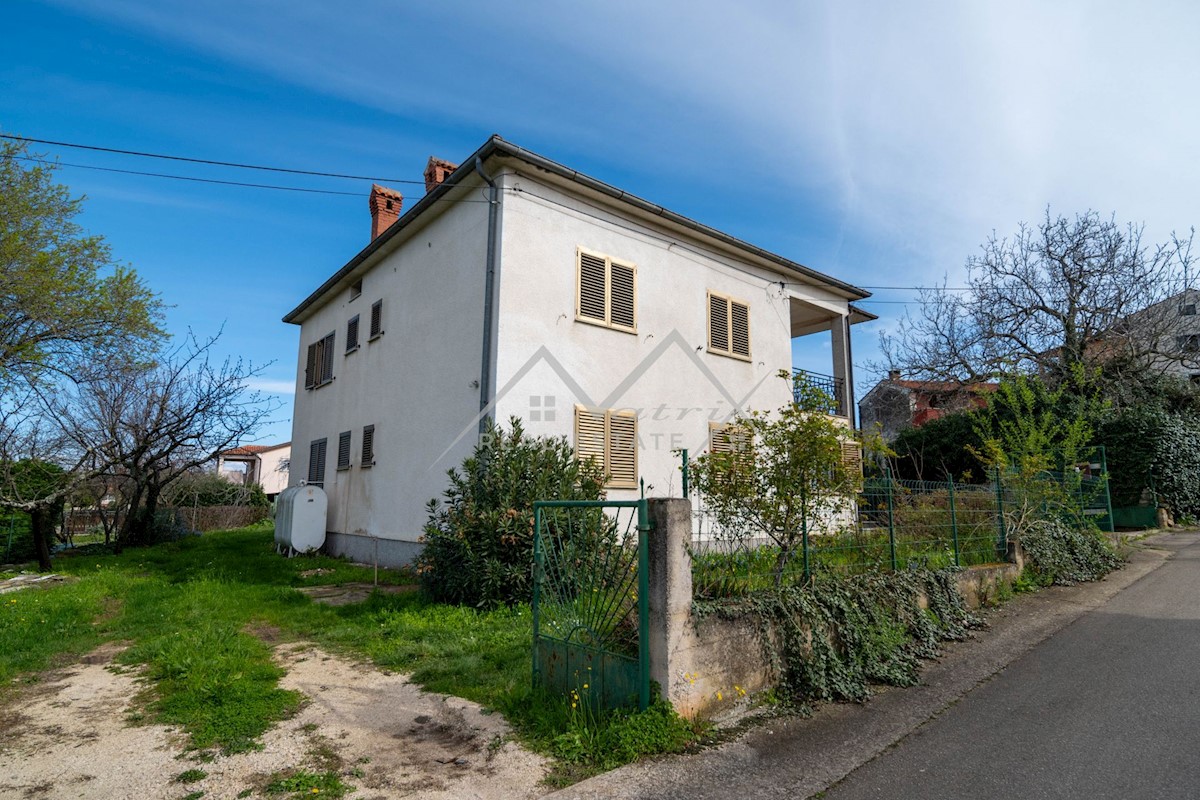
[{"x": 191, "y": 609}]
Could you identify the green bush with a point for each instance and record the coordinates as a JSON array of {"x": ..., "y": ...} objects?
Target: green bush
[
  {"x": 1145, "y": 444},
  {"x": 479, "y": 539},
  {"x": 1060, "y": 554},
  {"x": 940, "y": 448}
]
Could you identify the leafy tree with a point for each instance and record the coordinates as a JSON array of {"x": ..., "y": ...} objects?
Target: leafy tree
[
  {"x": 1067, "y": 293},
  {"x": 39, "y": 484},
  {"x": 66, "y": 307},
  {"x": 479, "y": 539},
  {"x": 940, "y": 447},
  {"x": 784, "y": 472}
]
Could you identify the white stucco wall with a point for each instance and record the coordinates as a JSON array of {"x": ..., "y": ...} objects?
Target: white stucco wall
[
  {"x": 664, "y": 371},
  {"x": 273, "y": 469},
  {"x": 414, "y": 383}
]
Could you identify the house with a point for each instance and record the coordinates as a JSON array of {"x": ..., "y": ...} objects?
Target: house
[
  {"x": 266, "y": 465},
  {"x": 895, "y": 404},
  {"x": 517, "y": 286}
]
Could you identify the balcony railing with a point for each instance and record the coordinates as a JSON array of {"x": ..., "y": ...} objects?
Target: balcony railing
[{"x": 834, "y": 387}]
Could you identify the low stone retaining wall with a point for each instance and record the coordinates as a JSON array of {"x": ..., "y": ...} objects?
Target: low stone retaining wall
[{"x": 705, "y": 664}]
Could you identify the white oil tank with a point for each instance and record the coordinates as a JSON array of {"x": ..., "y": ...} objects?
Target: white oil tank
[{"x": 300, "y": 519}]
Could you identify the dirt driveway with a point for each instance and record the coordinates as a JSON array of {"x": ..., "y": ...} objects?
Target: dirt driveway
[{"x": 69, "y": 737}]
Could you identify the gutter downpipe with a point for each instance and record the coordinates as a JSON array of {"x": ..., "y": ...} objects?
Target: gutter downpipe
[{"x": 489, "y": 301}]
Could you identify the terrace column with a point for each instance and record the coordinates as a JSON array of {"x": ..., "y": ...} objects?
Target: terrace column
[{"x": 843, "y": 365}]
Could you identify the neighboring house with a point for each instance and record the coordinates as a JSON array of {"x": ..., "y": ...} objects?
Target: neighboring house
[
  {"x": 895, "y": 404},
  {"x": 266, "y": 465},
  {"x": 1170, "y": 330},
  {"x": 519, "y": 287}
]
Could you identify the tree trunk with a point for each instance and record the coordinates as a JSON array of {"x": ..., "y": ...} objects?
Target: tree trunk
[{"x": 42, "y": 527}]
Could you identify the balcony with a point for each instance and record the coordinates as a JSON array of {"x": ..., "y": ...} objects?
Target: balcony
[{"x": 833, "y": 386}]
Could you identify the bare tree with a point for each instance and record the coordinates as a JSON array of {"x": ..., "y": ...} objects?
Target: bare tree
[{"x": 1068, "y": 293}]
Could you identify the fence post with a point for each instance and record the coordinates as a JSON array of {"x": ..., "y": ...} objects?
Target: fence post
[
  {"x": 1112, "y": 523},
  {"x": 891, "y": 519},
  {"x": 537, "y": 584},
  {"x": 1002, "y": 541},
  {"x": 953, "y": 519},
  {"x": 643, "y": 601},
  {"x": 685, "y": 474},
  {"x": 804, "y": 534}
]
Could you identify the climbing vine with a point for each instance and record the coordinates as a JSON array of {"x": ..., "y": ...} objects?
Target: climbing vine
[
  {"x": 1066, "y": 555},
  {"x": 833, "y": 639}
]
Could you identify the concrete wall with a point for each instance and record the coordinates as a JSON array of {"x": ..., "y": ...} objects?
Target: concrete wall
[
  {"x": 416, "y": 383},
  {"x": 274, "y": 469}
]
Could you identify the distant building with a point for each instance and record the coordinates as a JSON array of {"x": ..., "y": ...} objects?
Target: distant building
[
  {"x": 266, "y": 465},
  {"x": 895, "y": 404}
]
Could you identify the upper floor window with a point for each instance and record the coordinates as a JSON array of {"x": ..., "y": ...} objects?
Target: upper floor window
[
  {"x": 356, "y": 287},
  {"x": 376, "y": 319},
  {"x": 607, "y": 291},
  {"x": 728, "y": 326},
  {"x": 352, "y": 334},
  {"x": 1189, "y": 343},
  {"x": 318, "y": 367},
  {"x": 343, "y": 451}
]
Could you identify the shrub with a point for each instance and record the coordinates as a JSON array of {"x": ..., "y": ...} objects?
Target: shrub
[
  {"x": 479, "y": 539},
  {"x": 1064, "y": 555},
  {"x": 1146, "y": 443}
]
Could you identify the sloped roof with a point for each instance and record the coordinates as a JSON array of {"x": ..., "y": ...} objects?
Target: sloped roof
[{"x": 252, "y": 449}]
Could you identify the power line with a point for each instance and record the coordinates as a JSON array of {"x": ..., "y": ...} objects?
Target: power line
[{"x": 211, "y": 162}]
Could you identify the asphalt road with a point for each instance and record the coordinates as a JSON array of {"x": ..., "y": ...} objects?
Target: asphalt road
[
  {"x": 1108, "y": 707},
  {"x": 1084, "y": 691}
]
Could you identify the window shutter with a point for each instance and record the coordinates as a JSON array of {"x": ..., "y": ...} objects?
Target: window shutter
[
  {"x": 368, "y": 446},
  {"x": 327, "y": 360},
  {"x": 592, "y": 287},
  {"x": 589, "y": 435},
  {"x": 739, "y": 314},
  {"x": 377, "y": 318},
  {"x": 344, "y": 450},
  {"x": 718, "y": 439},
  {"x": 316, "y": 462},
  {"x": 352, "y": 334},
  {"x": 852, "y": 458},
  {"x": 718, "y": 323},
  {"x": 622, "y": 449},
  {"x": 623, "y": 295},
  {"x": 310, "y": 367}
]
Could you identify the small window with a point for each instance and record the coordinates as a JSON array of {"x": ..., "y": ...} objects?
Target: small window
[
  {"x": 728, "y": 326},
  {"x": 1188, "y": 310},
  {"x": 356, "y": 287},
  {"x": 1189, "y": 343},
  {"x": 318, "y": 367},
  {"x": 368, "y": 446},
  {"x": 316, "y": 462},
  {"x": 607, "y": 292},
  {"x": 609, "y": 438},
  {"x": 377, "y": 319},
  {"x": 352, "y": 334},
  {"x": 343, "y": 451},
  {"x": 724, "y": 437}
]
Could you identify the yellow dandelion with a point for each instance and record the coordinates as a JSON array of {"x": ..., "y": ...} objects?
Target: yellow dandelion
[{"x": 720, "y": 696}]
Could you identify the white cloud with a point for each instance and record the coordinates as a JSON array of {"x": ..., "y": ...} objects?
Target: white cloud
[{"x": 271, "y": 386}]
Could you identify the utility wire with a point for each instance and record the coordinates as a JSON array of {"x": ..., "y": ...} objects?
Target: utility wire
[{"x": 204, "y": 160}]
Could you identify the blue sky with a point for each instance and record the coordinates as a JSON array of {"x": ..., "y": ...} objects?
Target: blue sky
[{"x": 880, "y": 143}]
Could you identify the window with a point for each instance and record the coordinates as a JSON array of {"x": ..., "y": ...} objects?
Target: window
[
  {"x": 852, "y": 458},
  {"x": 316, "y": 463},
  {"x": 368, "y": 446},
  {"x": 724, "y": 437},
  {"x": 318, "y": 369},
  {"x": 728, "y": 326},
  {"x": 376, "y": 319},
  {"x": 352, "y": 334},
  {"x": 356, "y": 287},
  {"x": 1188, "y": 310},
  {"x": 1189, "y": 343},
  {"x": 607, "y": 292},
  {"x": 609, "y": 438},
  {"x": 343, "y": 451}
]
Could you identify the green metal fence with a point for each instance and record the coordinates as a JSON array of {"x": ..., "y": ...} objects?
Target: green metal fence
[{"x": 591, "y": 601}]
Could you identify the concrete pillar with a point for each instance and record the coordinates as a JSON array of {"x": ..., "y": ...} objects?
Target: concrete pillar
[
  {"x": 670, "y": 587},
  {"x": 843, "y": 368}
]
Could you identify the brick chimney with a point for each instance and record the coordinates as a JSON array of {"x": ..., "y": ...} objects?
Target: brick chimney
[
  {"x": 893, "y": 374},
  {"x": 436, "y": 171},
  {"x": 385, "y": 208}
]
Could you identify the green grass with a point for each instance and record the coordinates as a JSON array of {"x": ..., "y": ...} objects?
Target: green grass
[
  {"x": 191, "y": 776},
  {"x": 189, "y": 611}
]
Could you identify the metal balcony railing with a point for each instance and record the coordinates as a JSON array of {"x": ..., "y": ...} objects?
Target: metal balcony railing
[{"x": 834, "y": 387}]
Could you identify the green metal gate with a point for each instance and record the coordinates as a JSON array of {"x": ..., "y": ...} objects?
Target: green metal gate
[{"x": 591, "y": 601}]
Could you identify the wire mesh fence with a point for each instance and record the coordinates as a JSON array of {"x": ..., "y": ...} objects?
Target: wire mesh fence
[{"x": 891, "y": 525}]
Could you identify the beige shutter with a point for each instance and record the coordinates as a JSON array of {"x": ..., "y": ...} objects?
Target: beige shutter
[
  {"x": 852, "y": 458},
  {"x": 718, "y": 438},
  {"x": 593, "y": 287},
  {"x": 622, "y": 449},
  {"x": 718, "y": 323},
  {"x": 589, "y": 435},
  {"x": 623, "y": 295},
  {"x": 739, "y": 326}
]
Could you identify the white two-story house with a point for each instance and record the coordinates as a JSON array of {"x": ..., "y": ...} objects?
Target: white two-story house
[{"x": 519, "y": 287}]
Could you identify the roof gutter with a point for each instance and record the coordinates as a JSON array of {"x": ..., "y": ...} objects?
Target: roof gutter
[{"x": 487, "y": 366}]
